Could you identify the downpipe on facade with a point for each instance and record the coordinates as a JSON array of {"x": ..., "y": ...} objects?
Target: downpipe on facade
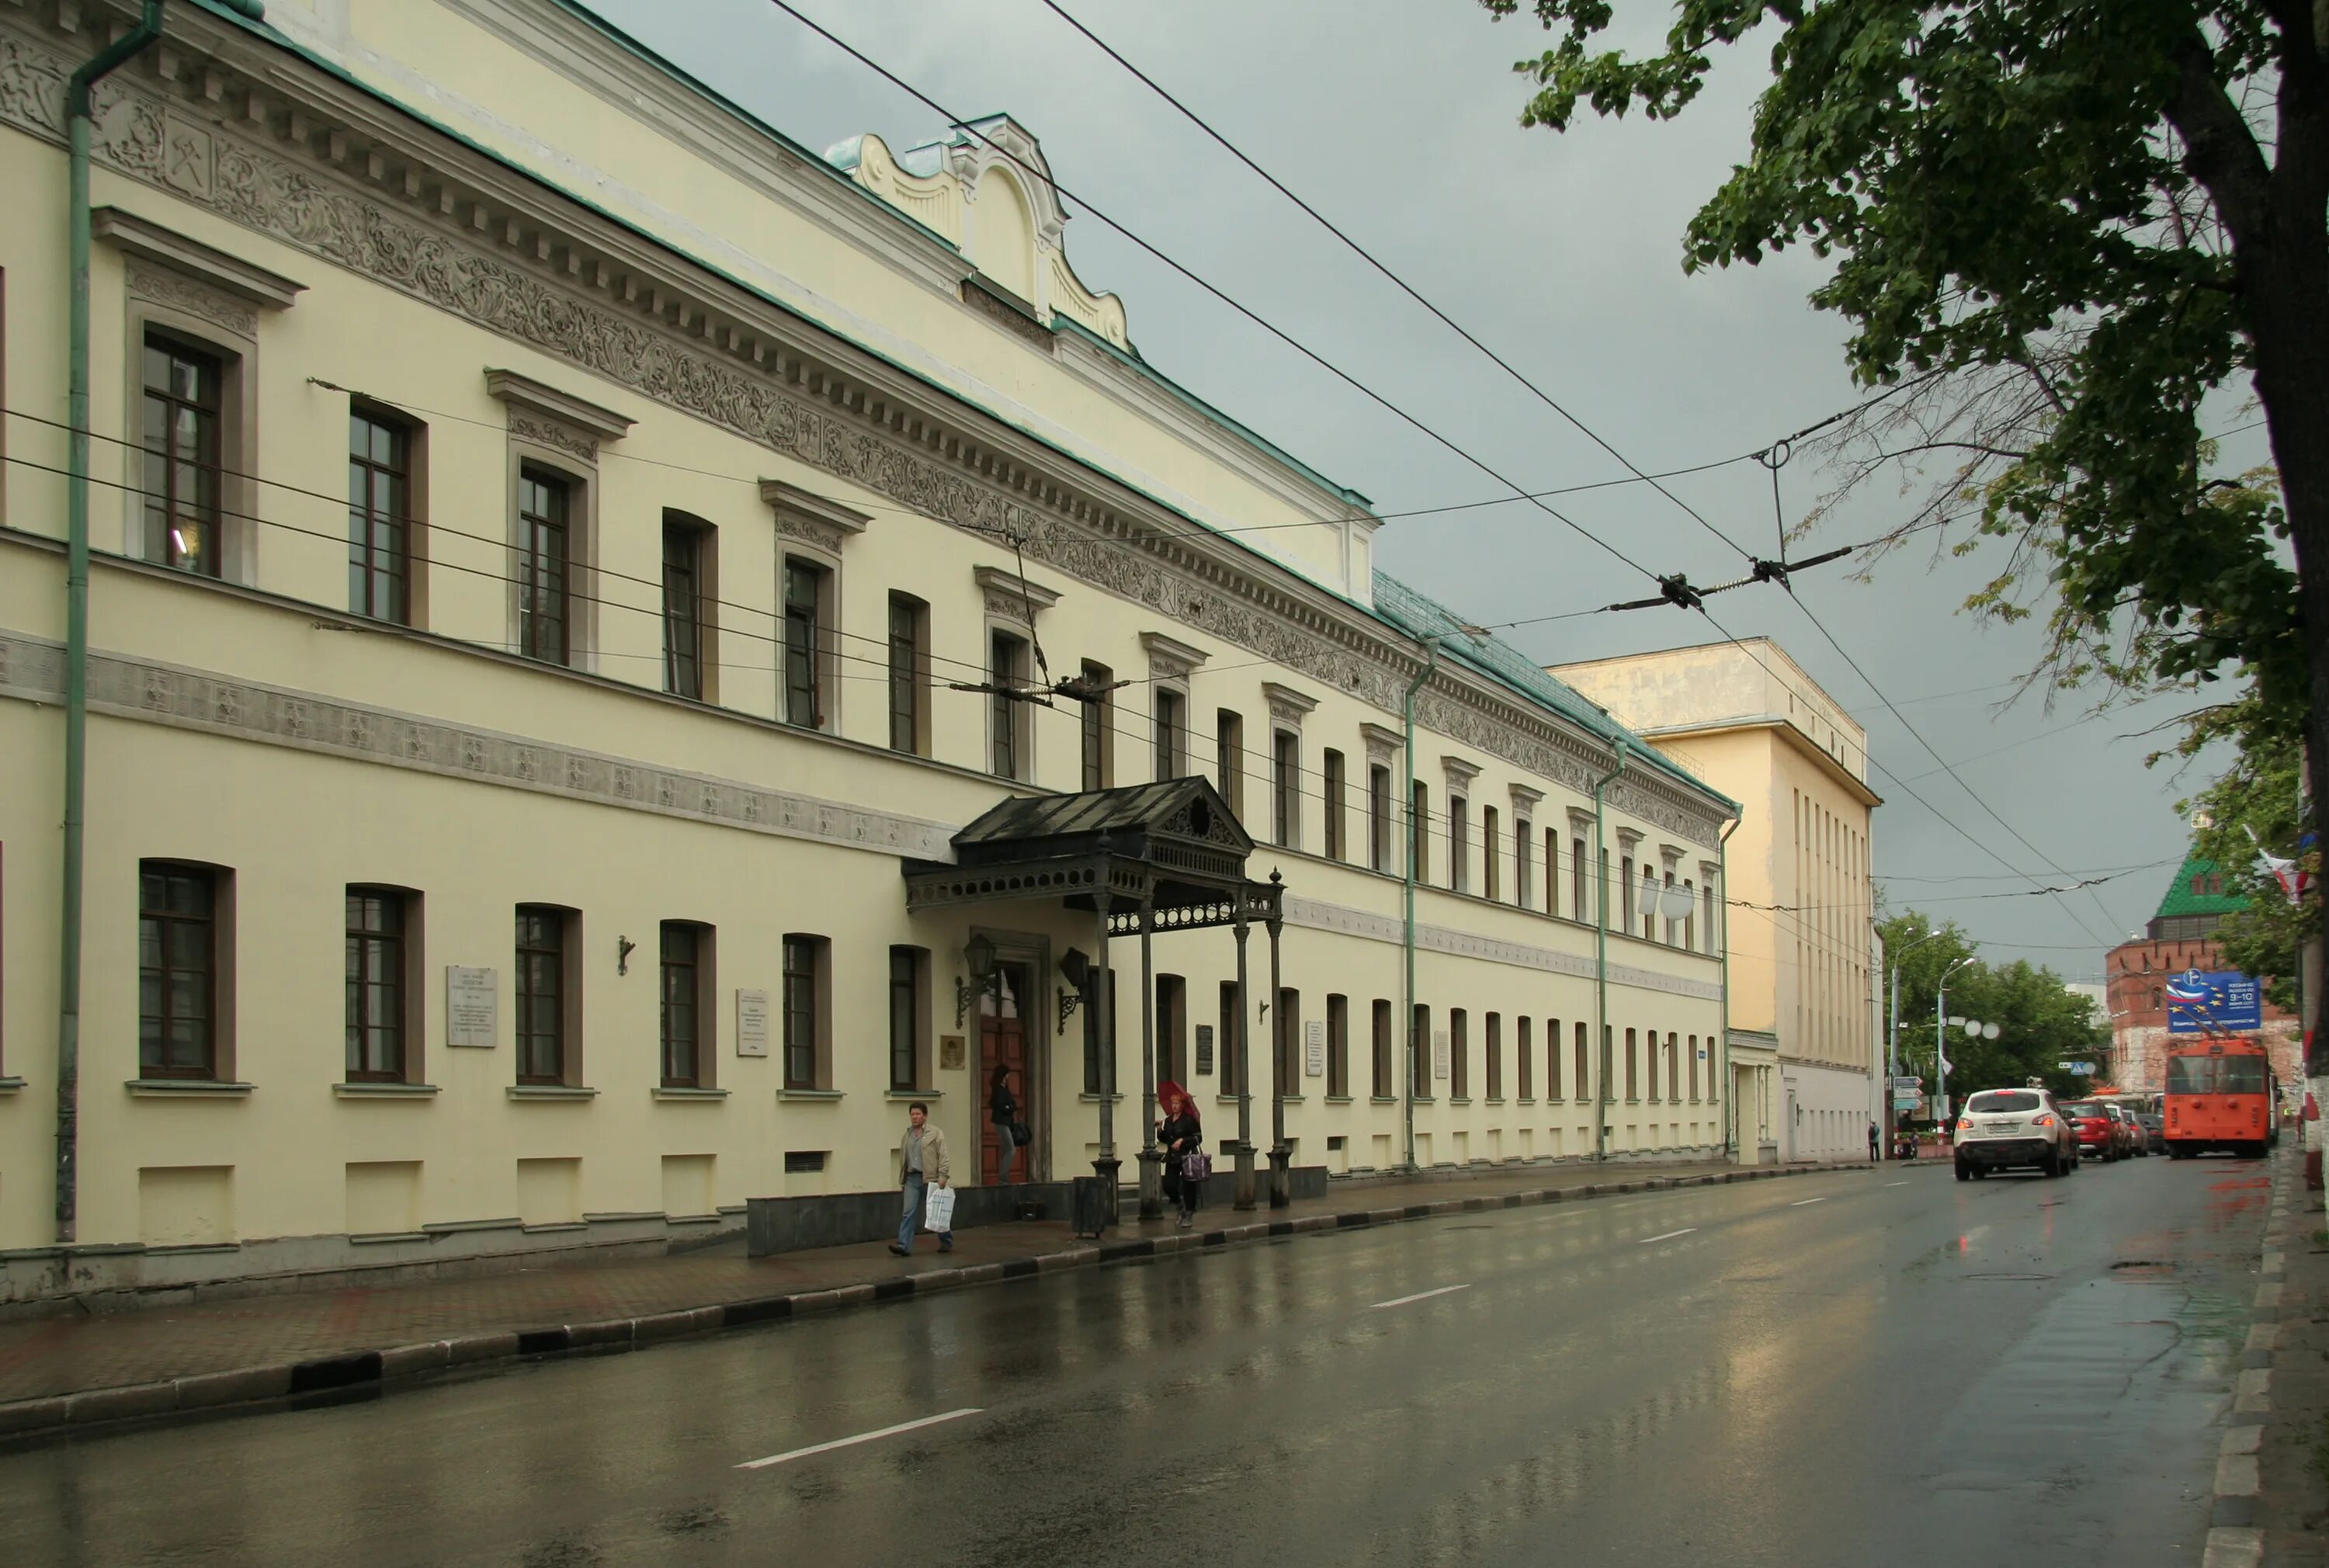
[
  {"x": 1601, "y": 952},
  {"x": 1415, "y": 831},
  {"x": 1721, "y": 937}
]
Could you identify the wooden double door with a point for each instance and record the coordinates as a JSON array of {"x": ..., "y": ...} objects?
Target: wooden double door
[{"x": 1002, "y": 1042}]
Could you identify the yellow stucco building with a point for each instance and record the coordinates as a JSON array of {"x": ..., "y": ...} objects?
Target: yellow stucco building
[
  {"x": 569, "y": 560},
  {"x": 1806, "y": 1040}
]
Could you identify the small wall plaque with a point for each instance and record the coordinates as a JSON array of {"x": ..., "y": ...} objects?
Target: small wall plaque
[
  {"x": 1205, "y": 1048},
  {"x": 751, "y": 1022},
  {"x": 951, "y": 1053},
  {"x": 471, "y": 1006},
  {"x": 1313, "y": 1048},
  {"x": 1439, "y": 1053}
]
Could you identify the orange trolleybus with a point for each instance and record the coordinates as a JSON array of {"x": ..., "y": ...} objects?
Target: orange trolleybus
[{"x": 2220, "y": 1095}]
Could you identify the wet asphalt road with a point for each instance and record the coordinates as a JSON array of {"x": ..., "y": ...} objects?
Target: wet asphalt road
[{"x": 1855, "y": 1369}]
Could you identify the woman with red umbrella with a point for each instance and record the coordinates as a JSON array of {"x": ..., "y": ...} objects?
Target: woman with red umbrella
[{"x": 1182, "y": 1137}]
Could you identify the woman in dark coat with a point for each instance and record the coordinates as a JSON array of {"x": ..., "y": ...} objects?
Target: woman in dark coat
[
  {"x": 1180, "y": 1135},
  {"x": 1002, "y": 1110}
]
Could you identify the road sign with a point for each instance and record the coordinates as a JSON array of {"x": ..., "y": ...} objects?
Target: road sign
[
  {"x": 2079, "y": 1069},
  {"x": 1908, "y": 1083},
  {"x": 1905, "y": 1099}
]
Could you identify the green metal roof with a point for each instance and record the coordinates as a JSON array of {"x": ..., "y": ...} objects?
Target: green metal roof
[{"x": 2182, "y": 900}]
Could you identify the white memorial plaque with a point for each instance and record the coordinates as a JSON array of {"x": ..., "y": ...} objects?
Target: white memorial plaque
[
  {"x": 1439, "y": 1053},
  {"x": 751, "y": 1022},
  {"x": 1313, "y": 1048},
  {"x": 471, "y": 1004}
]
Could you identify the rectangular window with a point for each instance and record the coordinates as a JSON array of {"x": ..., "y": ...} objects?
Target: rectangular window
[
  {"x": 1633, "y": 1067},
  {"x": 1690, "y": 1057},
  {"x": 1623, "y": 913},
  {"x": 1460, "y": 1053},
  {"x": 1228, "y": 759},
  {"x": 177, "y": 971},
  {"x": 542, "y": 994},
  {"x": 909, "y": 673},
  {"x": 380, "y": 516},
  {"x": 1581, "y": 1086},
  {"x": 1492, "y": 1048},
  {"x": 1524, "y": 1055},
  {"x": 1489, "y": 851},
  {"x": 1382, "y": 1050},
  {"x": 686, "y": 546},
  {"x": 1418, "y": 1050},
  {"x": 1338, "y": 1048},
  {"x": 1673, "y": 926},
  {"x": 545, "y": 502},
  {"x": 805, "y": 1012},
  {"x": 1379, "y": 818},
  {"x": 1172, "y": 724},
  {"x": 1552, "y": 871},
  {"x": 1098, "y": 720},
  {"x": 1601, "y": 910},
  {"x": 906, "y": 1012},
  {"x": 183, "y": 482},
  {"x": 1007, "y": 670},
  {"x": 1091, "y": 1016},
  {"x": 1333, "y": 805},
  {"x": 1706, "y": 909},
  {"x": 1285, "y": 789},
  {"x": 1419, "y": 833},
  {"x": 1173, "y": 1028},
  {"x": 1690, "y": 921},
  {"x": 1524, "y": 884},
  {"x": 1459, "y": 842},
  {"x": 804, "y": 635},
  {"x": 1648, "y": 904},
  {"x": 1553, "y": 1088},
  {"x": 685, "y": 969},
  {"x": 1578, "y": 909},
  {"x": 1286, "y": 1039},
  {"x": 1225, "y": 1043},
  {"x": 1673, "y": 1066},
  {"x": 375, "y": 980},
  {"x": 1654, "y": 1066}
]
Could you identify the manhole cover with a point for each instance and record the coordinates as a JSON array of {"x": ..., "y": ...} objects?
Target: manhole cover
[
  {"x": 2004, "y": 1276},
  {"x": 2141, "y": 1263}
]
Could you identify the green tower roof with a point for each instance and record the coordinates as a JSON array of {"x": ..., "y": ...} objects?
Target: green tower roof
[{"x": 2197, "y": 889}]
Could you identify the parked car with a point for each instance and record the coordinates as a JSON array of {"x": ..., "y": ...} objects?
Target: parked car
[
  {"x": 2091, "y": 1122},
  {"x": 2155, "y": 1130},
  {"x": 2002, "y": 1129},
  {"x": 2132, "y": 1141}
]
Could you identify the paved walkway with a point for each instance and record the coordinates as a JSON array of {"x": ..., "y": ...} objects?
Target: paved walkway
[{"x": 77, "y": 1370}]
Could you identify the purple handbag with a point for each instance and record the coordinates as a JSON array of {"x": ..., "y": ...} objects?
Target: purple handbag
[{"x": 1196, "y": 1165}]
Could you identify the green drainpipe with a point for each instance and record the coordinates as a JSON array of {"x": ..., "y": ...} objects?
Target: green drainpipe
[
  {"x": 80, "y": 121},
  {"x": 1599, "y": 869},
  {"x": 1407, "y": 852},
  {"x": 1720, "y": 935}
]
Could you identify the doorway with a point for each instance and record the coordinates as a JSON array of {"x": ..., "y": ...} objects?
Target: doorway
[{"x": 1002, "y": 1043}]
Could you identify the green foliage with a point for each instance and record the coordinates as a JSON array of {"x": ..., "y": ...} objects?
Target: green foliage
[
  {"x": 2055, "y": 197},
  {"x": 2258, "y": 796},
  {"x": 2039, "y": 1022}
]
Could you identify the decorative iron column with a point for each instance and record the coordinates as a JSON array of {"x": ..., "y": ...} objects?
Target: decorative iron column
[
  {"x": 1151, "y": 1158},
  {"x": 1281, "y": 1158},
  {"x": 1104, "y": 1030},
  {"x": 1244, "y": 1190}
]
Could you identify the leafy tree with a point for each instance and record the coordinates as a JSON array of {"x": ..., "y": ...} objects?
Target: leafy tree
[
  {"x": 2253, "y": 809},
  {"x": 2057, "y": 227},
  {"x": 2040, "y": 1022}
]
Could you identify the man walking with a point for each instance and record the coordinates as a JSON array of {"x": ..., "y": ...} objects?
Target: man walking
[
  {"x": 1874, "y": 1157},
  {"x": 924, "y": 1165}
]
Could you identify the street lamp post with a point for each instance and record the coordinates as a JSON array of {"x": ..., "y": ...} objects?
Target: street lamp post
[{"x": 1940, "y": 1035}]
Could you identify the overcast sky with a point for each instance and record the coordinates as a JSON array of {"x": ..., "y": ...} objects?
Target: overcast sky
[{"x": 1401, "y": 122}]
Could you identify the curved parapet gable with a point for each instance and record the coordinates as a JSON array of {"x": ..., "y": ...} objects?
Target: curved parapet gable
[{"x": 985, "y": 188}]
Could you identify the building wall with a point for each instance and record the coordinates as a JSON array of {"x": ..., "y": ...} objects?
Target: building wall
[
  {"x": 255, "y": 726},
  {"x": 2138, "y": 971}
]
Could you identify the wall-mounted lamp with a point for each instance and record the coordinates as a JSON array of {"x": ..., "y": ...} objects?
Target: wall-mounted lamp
[
  {"x": 623, "y": 948},
  {"x": 1077, "y": 970},
  {"x": 978, "y": 955}
]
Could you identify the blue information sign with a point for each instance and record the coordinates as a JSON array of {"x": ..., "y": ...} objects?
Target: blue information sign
[{"x": 2198, "y": 1001}]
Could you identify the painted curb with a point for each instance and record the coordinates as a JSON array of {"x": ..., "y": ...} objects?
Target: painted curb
[
  {"x": 2235, "y": 1540},
  {"x": 393, "y": 1367}
]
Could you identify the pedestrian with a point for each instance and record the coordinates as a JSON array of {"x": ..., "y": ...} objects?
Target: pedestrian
[
  {"x": 922, "y": 1165},
  {"x": 1002, "y": 1110},
  {"x": 1180, "y": 1136},
  {"x": 1874, "y": 1157}
]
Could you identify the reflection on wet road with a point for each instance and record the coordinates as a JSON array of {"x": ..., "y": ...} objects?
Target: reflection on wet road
[{"x": 1719, "y": 1374}]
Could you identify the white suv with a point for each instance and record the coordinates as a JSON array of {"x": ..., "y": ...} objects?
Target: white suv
[{"x": 2003, "y": 1128}]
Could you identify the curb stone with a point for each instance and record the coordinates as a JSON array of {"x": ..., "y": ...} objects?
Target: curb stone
[{"x": 390, "y": 1368}]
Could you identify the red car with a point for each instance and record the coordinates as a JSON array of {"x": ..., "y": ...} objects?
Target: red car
[{"x": 2099, "y": 1137}]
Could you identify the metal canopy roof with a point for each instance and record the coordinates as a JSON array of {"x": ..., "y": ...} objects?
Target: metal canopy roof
[{"x": 1173, "y": 847}]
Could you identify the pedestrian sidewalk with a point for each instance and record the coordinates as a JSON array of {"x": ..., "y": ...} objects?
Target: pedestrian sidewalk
[
  {"x": 2272, "y": 1483},
  {"x": 80, "y": 1371}
]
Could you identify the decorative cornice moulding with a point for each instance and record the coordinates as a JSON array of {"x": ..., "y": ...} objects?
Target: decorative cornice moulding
[
  {"x": 231, "y": 275},
  {"x": 409, "y": 210}
]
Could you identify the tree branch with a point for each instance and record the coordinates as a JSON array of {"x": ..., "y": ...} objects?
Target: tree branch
[{"x": 2220, "y": 150}]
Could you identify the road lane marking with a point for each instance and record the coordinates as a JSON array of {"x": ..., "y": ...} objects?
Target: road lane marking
[
  {"x": 1800, "y": 1204},
  {"x": 802, "y": 1453},
  {"x": 1896, "y": 1184},
  {"x": 1670, "y": 1236},
  {"x": 1418, "y": 1296}
]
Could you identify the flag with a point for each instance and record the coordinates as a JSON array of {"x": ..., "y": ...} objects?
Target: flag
[{"x": 2294, "y": 880}]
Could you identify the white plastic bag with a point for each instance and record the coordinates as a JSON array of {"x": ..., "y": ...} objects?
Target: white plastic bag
[{"x": 938, "y": 1209}]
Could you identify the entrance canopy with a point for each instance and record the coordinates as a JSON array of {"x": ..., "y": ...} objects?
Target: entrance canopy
[{"x": 1173, "y": 849}]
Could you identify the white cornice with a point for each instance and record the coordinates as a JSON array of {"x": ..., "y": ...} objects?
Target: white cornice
[
  {"x": 525, "y": 392},
  {"x": 141, "y": 237}
]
